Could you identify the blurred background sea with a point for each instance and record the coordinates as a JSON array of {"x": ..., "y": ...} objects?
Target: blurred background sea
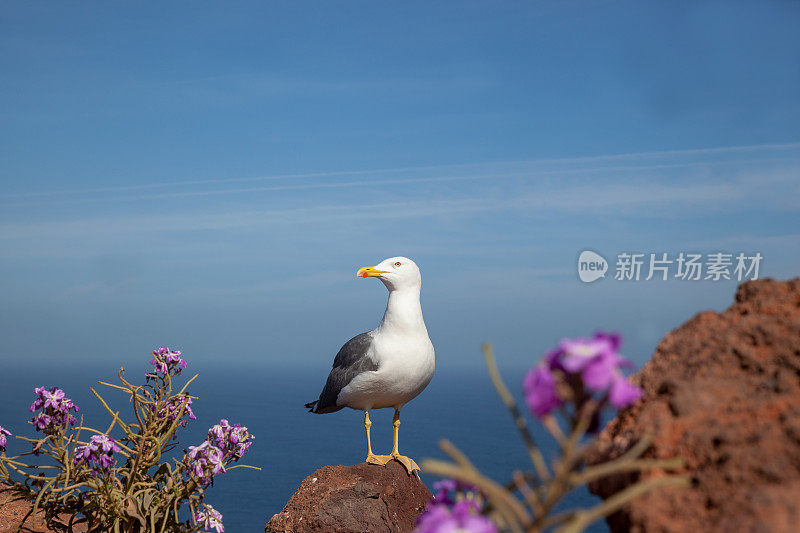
[{"x": 459, "y": 404}]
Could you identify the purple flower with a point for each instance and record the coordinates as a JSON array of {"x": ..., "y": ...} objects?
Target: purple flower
[
  {"x": 454, "y": 509},
  {"x": 598, "y": 373},
  {"x": 210, "y": 519},
  {"x": 603, "y": 374},
  {"x": 55, "y": 410},
  {"x": 540, "y": 391},
  {"x": 447, "y": 490},
  {"x": 233, "y": 441},
  {"x": 214, "y": 456},
  {"x": 53, "y": 397},
  {"x": 98, "y": 453},
  {"x": 596, "y": 361},
  {"x": 204, "y": 462},
  {"x": 166, "y": 361},
  {"x": 622, "y": 393},
  {"x": 577, "y": 353},
  {"x": 463, "y": 517},
  {"x": 169, "y": 412},
  {"x": 443, "y": 489},
  {"x": 105, "y": 443},
  {"x": 4, "y": 433},
  {"x": 42, "y": 421},
  {"x": 433, "y": 519}
]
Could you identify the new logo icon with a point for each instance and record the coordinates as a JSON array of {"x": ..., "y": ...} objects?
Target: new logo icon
[{"x": 591, "y": 266}]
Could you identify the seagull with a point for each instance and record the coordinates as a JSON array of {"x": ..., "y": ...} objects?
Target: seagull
[{"x": 388, "y": 366}]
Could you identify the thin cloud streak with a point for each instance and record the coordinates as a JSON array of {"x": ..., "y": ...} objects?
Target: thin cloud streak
[
  {"x": 582, "y": 159},
  {"x": 402, "y": 181},
  {"x": 642, "y": 198}
]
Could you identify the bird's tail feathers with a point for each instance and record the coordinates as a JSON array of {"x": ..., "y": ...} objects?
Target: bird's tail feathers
[{"x": 311, "y": 405}]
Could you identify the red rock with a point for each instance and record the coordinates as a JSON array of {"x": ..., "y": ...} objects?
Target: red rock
[
  {"x": 352, "y": 499},
  {"x": 12, "y": 513},
  {"x": 723, "y": 392}
]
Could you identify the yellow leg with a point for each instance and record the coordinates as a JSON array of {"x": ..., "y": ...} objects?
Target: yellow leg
[
  {"x": 367, "y": 425},
  {"x": 396, "y": 430},
  {"x": 371, "y": 457},
  {"x": 407, "y": 462}
]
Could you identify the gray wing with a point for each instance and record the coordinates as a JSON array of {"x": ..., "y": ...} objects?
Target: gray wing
[{"x": 351, "y": 361}]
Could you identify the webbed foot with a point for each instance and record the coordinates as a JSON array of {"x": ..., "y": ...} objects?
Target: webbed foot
[
  {"x": 378, "y": 459},
  {"x": 411, "y": 466}
]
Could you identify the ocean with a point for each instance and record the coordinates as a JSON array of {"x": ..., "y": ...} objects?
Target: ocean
[{"x": 459, "y": 404}]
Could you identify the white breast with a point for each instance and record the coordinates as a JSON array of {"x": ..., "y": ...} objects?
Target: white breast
[
  {"x": 405, "y": 367},
  {"x": 403, "y": 352}
]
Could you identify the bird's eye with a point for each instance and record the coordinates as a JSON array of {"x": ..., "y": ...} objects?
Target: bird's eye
[{"x": 397, "y": 264}]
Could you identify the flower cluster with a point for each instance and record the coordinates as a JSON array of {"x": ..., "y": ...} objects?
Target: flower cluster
[
  {"x": 98, "y": 452},
  {"x": 166, "y": 361},
  {"x": 4, "y": 434},
  {"x": 455, "y": 507},
  {"x": 449, "y": 490},
  {"x": 593, "y": 364},
  {"x": 210, "y": 519},
  {"x": 174, "y": 405},
  {"x": 55, "y": 408},
  {"x": 204, "y": 462},
  {"x": 104, "y": 482},
  {"x": 233, "y": 441},
  {"x": 223, "y": 442}
]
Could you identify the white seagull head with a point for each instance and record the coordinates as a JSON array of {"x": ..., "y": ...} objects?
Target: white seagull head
[{"x": 397, "y": 273}]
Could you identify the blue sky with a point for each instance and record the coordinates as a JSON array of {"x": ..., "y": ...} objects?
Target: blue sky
[{"x": 210, "y": 176}]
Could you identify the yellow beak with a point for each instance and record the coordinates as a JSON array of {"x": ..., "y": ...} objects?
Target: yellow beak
[{"x": 369, "y": 272}]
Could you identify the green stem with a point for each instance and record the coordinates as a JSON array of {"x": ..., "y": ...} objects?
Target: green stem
[
  {"x": 582, "y": 519},
  {"x": 242, "y": 466},
  {"x": 619, "y": 467},
  {"x": 122, "y": 424},
  {"x": 522, "y": 425},
  {"x": 563, "y": 469}
]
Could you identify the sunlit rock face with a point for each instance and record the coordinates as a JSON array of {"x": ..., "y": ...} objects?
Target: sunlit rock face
[
  {"x": 363, "y": 497},
  {"x": 15, "y": 510},
  {"x": 722, "y": 391}
]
